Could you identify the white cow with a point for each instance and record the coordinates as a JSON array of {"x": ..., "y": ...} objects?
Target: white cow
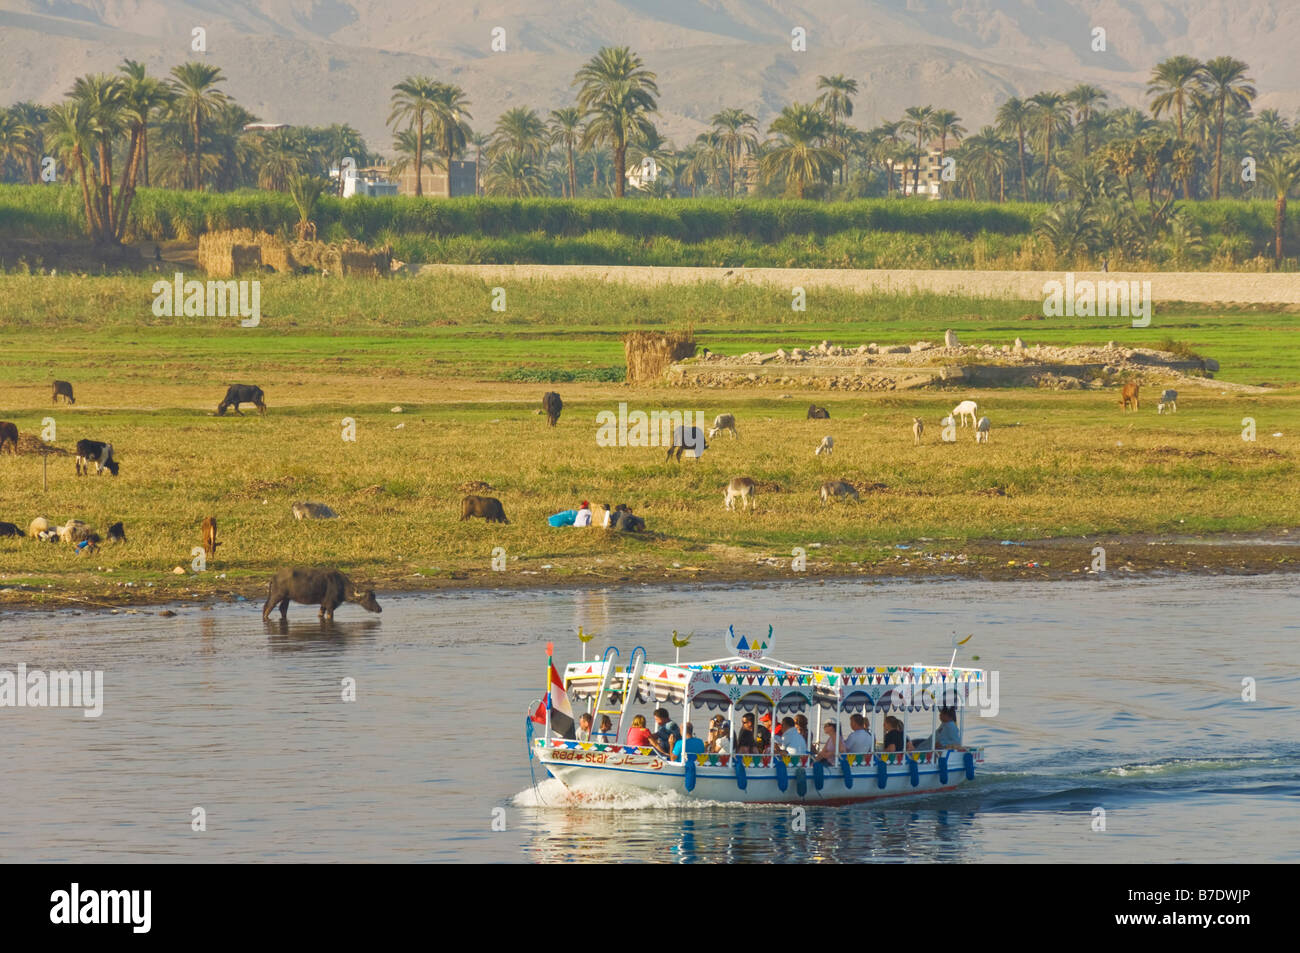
[
  {"x": 965, "y": 409},
  {"x": 827, "y": 446},
  {"x": 982, "y": 430},
  {"x": 1168, "y": 399}
]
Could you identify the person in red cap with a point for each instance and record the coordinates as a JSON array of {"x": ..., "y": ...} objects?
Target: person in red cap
[{"x": 584, "y": 515}]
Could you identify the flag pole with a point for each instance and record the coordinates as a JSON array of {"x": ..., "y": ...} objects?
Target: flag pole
[{"x": 550, "y": 649}]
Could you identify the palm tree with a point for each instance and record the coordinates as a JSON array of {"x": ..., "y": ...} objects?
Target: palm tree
[
  {"x": 304, "y": 192},
  {"x": 104, "y": 99},
  {"x": 197, "y": 100},
  {"x": 1069, "y": 229},
  {"x": 918, "y": 121},
  {"x": 1086, "y": 100},
  {"x": 409, "y": 151},
  {"x": 836, "y": 101},
  {"x": 451, "y": 133},
  {"x": 514, "y": 174},
  {"x": 1049, "y": 115},
  {"x": 1173, "y": 82},
  {"x": 617, "y": 93},
  {"x": 282, "y": 159},
  {"x": 70, "y": 134},
  {"x": 15, "y": 139},
  {"x": 415, "y": 100},
  {"x": 519, "y": 130},
  {"x": 798, "y": 157},
  {"x": 566, "y": 130},
  {"x": 735, "y": 135},
  {"x": 1013, "y": 119},
  {"x": 946, "y": 123},
  {"x": 34, "y": 117},
  {"x": 1224, "y": 82},
  {"x": 1282, "y": 175},
  {"x": 144, "y": 96}
]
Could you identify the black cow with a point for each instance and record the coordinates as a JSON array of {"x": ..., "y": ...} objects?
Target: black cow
[
  {"x": 818, "y": 413},
  {"x": 9, "y": 529},
  {"x": 487, "y": 507},
  {"x": 552, "y": 404},
  {"x": 327, "y": 588},
  {"x": 63, "y": 389},
  {"x": 8, "y": 437},
  {"x": 242, "y": 394},
  {"x": 687, "y": 438},
  {"x": 98, "y": 453}
]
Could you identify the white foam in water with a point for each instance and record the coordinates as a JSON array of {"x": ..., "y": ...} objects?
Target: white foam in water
[{"x": 551, "y": 793}]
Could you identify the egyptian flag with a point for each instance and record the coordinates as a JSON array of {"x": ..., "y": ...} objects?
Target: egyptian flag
[{"x": 557, "y": 700}]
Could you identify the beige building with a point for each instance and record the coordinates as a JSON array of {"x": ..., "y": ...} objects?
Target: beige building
[
  {"x": 434, "y": 183},
  {"x": 928, "y": 182}
]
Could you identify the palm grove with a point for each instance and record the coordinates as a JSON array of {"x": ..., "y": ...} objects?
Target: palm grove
[{"x": 1112, "y": 176}]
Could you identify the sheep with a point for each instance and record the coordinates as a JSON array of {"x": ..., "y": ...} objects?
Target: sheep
[
  {"x": 827, "y": 446},
  {"x": 1168, "y": 399},
  {"x": 839, "y": 488},
  {"x": 742, "y": 487},
  {"x": 982, "y": 430},
  {"x": 918, "y": 428},
  {"x": 723, "y": 422},
  {"x": 967, "y": 408}
]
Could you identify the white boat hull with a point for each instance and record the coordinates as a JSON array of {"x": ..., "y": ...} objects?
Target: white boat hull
[{"x": 609, "y": 770}]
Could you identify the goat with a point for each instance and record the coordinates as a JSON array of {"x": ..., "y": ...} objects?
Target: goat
[
  {"x": 723, "y": 422},
  {"x": 967, "y": 408},
  {"x": 982, "y": 430},
  {"x": 827, "y": 446},
  {"x": 1168, "y": 399}
]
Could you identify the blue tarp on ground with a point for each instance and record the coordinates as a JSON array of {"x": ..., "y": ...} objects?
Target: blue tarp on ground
[{"x": 564, "y": 518}]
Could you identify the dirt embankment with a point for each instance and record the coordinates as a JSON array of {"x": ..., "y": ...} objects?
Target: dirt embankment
[{"x": 926, "y": 364}]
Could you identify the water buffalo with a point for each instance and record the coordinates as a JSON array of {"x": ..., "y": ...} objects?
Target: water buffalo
[
  {"x": 242, "y": 394},
  {"x": 63, "y": 389},
  {"x": 552, "y": 404},
  {"x": 818, "y": 413},
  {"x": 487, "y": 507},
  {"x": 327, "y": 588},
  {"x": 8, "y": 437}
]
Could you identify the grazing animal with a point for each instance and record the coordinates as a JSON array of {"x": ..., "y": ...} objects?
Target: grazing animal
[
  {"x": 63, "y": 389},
  {"x": 1168, "y": 399},
  {"x": 9, "y": 529},
  {"x": 552, "y": 404},
  {"x": 238, "y": 394},
  {"x": 818, "y": 413},
  {"x": 838, "y": 488},
  {"x": 1128, "y": 394},
  {"x": 9, "y": 437},
  {"x": 918, "y": 428},
  {"x": 982, "y": 430},
  {"x": 327, "y": 588},
  {"x": 742, "y": 487},
  {"x": 210, "y": 543},
  {"x": 38, "y": 527},
  {"x": 74, "y": 531},
  {"x": 723, "y": 422},
  {"x": 687, "y": 438},
  {"x": 116, "y": 533},
  {"x": 966, "y": 408},
  {"x": 486, "y": 507},
  {"x": 307, "y": 510},
  {"x": 827, "y": 446},
  {"x": 98, "y": 453}
]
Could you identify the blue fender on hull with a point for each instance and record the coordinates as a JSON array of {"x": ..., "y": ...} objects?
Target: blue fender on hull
[
  {"x": 801, "y": 781},
  {"x": 739, "y": 763},
  {"x": 782, "y": 776},
  {"x": 913, "y": 772},
  {"x": 968, "y": 760},
  {"x": 882, "y": 773},
  {"x": 688, "y": 776},
  {"x": 846, "y": 771},
  {"x": 819, "y": 775},
  {"x": 943, "y": 767}
]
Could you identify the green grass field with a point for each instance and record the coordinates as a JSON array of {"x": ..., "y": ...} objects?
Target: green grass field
[{"x": 1059, "y": 463}]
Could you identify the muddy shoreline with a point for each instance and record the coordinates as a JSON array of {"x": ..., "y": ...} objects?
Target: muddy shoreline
[{"x": 921, "y": 561}]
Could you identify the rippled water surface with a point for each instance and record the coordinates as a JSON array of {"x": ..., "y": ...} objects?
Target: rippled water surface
[{"x": 1124, "y": 696}]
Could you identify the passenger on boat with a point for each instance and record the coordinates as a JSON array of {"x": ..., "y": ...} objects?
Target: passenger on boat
[
  {"x": 606, "y": 732},
  {"x": 665, "y": 729},
  {"x": 859, "y": 740},
  {"x": 791, "y": 741},
  {"x": 720, "y": 739},
  {"x": 744, "y": 743},
  {"x": 638, "y": 735},
  {"x": 690, "y": 744},
  {"x": 763, "y": 734},
  {"x": 801, "y": 722},
  {"x": 893, "y": 734},
  {"x": 584, "y": 727},
  {"x": 948, "y": 735},
  {"x": 831, "y": 747}
]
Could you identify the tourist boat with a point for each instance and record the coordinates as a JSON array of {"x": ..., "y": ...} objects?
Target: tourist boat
[{"x": 749, "y": 679}]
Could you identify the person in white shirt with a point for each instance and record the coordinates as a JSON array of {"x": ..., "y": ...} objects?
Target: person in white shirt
[
  {"x": 605, "y": 519},
  {"x": 790, "y": 740},
  {"x": 720, "y": 739},
  {"x": 584, "y": 515},
  {"x": 859, "y": 740}
]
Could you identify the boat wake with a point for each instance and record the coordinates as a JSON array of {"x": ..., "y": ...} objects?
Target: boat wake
[{"x": 551, "y": 793}]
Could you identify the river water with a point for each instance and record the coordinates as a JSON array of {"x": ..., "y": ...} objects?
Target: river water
[{"x": 1119, "y": 695}]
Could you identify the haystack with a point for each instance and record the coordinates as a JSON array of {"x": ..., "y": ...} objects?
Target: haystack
[
  {"x": 226, "y": 253},
  {"x": 649, "y": 354}
]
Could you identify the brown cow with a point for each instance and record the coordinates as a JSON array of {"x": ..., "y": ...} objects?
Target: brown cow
[
  {"x": 9, "y": 437},
  {"x": 1128, "y": 394},
  {"x": 327, "y": 588},
  {"x": 210, "y": 543},
  {"x": 487, "y": 507}
]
